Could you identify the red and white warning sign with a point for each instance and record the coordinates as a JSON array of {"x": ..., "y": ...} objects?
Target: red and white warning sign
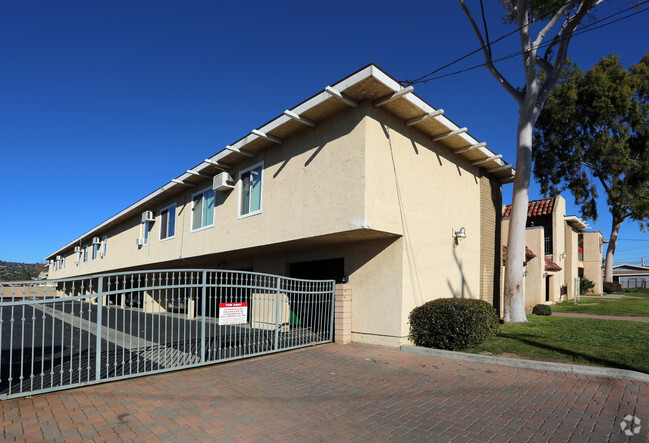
[{"x": 233, "y": 313}]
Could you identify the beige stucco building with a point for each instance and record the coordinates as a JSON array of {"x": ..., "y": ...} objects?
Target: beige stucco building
[
  {"x": 563, "y": 252},
  {"x": 364, "y": 183}
]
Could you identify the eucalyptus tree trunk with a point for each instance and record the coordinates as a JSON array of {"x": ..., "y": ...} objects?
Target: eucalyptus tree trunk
[
  {"x": 610, "y": 250},
  {"x": 514, "y": 294},
  {"x": 566, "y": 16}
]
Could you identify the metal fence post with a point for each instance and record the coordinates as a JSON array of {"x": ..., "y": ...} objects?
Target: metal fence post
[
  {"x": 100, "y": 308},
  {"x": 277, "y": 313},
  {"x": 203, "y": 296},
  {"x": 333, "y": 311}
]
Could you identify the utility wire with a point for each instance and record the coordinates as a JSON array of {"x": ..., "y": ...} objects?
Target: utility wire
[
  {"x": 419, "y": 79},
  {"x": 583, "y": 30}
]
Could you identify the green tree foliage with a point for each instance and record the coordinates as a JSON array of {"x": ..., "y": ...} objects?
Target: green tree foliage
[{"x": 592, "y": 134}]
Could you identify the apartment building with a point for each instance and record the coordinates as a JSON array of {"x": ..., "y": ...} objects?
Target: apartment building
[
  {"x": 364, "y": 183},
  {"x": 564, "y": 251}
]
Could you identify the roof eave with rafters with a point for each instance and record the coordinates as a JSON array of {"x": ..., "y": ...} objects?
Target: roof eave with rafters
[{"x": 391, "y": 97}]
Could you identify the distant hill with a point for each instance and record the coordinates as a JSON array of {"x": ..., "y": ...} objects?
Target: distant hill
[{"x": 10, "y": 271}]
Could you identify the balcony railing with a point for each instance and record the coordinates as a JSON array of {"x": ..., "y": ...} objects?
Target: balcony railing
[{"x": 548, "y": 245}]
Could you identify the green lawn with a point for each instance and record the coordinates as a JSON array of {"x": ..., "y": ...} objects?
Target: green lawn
[
  {"x": 610, "y": 343},
  {"x": 632, "y": 304}
]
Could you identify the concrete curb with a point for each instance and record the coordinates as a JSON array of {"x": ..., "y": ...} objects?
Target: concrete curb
[{"x": 530, "y": 364}]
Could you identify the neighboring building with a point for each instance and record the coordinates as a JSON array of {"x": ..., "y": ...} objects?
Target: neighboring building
[
  {"x": 565, "y": 250},
  {"x": 362, "y": 182},
  {"x": 631, "y": 276}
]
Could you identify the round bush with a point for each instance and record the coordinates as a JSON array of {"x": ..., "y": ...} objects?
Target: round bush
[
  {"x": 611, "y": 287},
  {"x": 453, "y": 323},
  {"x": 542, "y": 310}
]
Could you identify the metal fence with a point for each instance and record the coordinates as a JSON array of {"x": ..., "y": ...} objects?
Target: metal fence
[{"x": 59, "y": 334}]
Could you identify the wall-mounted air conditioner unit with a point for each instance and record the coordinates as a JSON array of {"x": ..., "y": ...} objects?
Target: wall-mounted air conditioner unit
[
  {"x": 147, "y": 216},
  {"x": 223, "y": 182},
  {"x": 77, "y": 249},
  {"x": 58, "y": 258},
  {"x": 96, "y": 240}
]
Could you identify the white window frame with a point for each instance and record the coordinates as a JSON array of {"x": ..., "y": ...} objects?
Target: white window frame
[
  {"x": 145, "y": 231},
  {"x": 168, "y": 209},
  {"x": 261, "y": 196},
  {"x": 95, "y": 251},
  {"x": 85, "y": 254},
  {"x": 104, "y": 247},
  {"x": 191, "y": 222}
]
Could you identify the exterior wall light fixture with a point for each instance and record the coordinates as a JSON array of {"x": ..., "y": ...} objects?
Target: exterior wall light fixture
[
  {"x": 564, "y": 255},
  {"x": 460, "y": 234}
]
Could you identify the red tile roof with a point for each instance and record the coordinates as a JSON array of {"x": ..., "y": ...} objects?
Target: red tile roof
[
  {"x": 551, "y": 266},
  {"x": 535, "y": 207},
  {"x": 529, "y": 255}
]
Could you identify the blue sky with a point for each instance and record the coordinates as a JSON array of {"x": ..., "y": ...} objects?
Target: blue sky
[{"x": 103, "y": 102}]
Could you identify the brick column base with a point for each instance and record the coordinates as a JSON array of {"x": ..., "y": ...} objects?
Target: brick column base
[{"x": 343, "y": 314}]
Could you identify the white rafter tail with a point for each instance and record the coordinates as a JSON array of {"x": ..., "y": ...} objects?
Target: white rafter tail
[
  {"x": 299, "y": 118},
  {"x": 395, "y": 95},
  {"x": 500, "y": 168},
  {"x": 180, "y": 182},
  {"x": 486, "y": 160},
  {"x": 421, "y": 118},
  {"x": 198, "y": 174},
  {"x": 218, "y": 164},
  {"x": 449, "y": 134},
  {"x": 470, "y": 148},
  {"x": 271, "y": 138},
  {"x": 342, "y": 97},
  {"x": 239, "y": 151}
]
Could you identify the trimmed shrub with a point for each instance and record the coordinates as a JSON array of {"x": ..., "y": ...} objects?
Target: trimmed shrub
[
  {"x": 453, "y": 323},
  {"x": 611, "y": 287},
  {"x": 542, "y": 310},
  {"x": 585, "y": 285}
]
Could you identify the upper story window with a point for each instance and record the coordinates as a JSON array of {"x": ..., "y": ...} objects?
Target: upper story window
[
  {"x": 168, "y": 222},
  {"x": 203, "y": 209},
  {"x": 104, "y": 246},
  {"x": 85, "y": 253},
  {"x": 147, "y": 228},
  {"x": 250, "y": 190},
  {"x": 95, "y": 250}
]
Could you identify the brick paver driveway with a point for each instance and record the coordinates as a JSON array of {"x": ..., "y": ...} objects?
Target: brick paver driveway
[{"x": 337, "y": 392}]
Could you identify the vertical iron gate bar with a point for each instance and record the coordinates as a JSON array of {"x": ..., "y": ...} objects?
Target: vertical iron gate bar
[
  {"x": 203, "y": 315},
  {"x": 100, "y": 304},
  {"x": 278, "y": 284}
]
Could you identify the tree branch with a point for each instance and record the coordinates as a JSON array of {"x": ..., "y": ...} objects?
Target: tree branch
[
  {"x": 541, "y": 35},
  {"x": 517, "y": 95},
  {"x": 606, "y": 187},
  {"x": 521, "y": 10},
  {"x": 544, "y": 64},
  {"x": 566, "y": 32}
]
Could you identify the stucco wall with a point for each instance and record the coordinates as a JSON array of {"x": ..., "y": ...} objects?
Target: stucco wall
[
  {"x": 593, "y": 259},
  {"x": 571, "y": 263},
  {"x": 557, "y": 282},
  {"x": 535, "y": 268},
  {"x": 313, "y": 184},
  {"x": 424, "y": 192}
]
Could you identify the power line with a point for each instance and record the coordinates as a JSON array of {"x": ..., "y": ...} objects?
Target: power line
[
  {"x": 420, "y": 79},
  {"x": 586, "y": 28}
]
